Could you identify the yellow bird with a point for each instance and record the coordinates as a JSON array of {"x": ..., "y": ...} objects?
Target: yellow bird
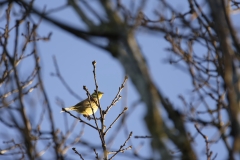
[{"x": 84, "y": 106}]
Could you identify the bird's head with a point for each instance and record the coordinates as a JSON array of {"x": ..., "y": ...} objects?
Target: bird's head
[{"x": 100, "y": 94}]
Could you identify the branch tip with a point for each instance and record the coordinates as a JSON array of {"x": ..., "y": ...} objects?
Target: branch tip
[{"x": 94, "y": 63}]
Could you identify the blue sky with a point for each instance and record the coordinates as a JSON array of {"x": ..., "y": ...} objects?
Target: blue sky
[{"x": 75, "y": 56}]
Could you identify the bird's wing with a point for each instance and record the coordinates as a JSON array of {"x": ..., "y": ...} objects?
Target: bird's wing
[
  {"x": 80, "y": 103},
  {"x": 85, "y": 103}
]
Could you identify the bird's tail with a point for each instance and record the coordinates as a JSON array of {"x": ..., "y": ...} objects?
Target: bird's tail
[{"x": 67, "y": 109}]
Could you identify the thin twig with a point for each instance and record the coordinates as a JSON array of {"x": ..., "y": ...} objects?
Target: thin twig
[
  {"x": 208, "y": 152},
  {"x": 74, "y": 149},
  {"x": 124, "y": 110},
  {"x": 96, "y": 153},
  {"x": 79, "y": 119},
  {"x": 121, "y": 150},
  {"x": 143, "y": 137},
  {"x": 102, "y": 115},
  {"x": 121, "y": 146},
  {"x": 117, "y": 97},
  {"x": 58, "y": 74}
]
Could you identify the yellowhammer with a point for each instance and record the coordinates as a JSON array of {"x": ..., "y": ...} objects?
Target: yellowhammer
[{"x": 84, "y": 106}]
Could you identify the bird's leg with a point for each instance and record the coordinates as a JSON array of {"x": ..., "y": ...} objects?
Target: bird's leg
[{"x": 87, "y": 116}]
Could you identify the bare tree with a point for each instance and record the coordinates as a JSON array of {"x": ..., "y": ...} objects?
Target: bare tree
[{"x": 213, "y": 70}]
